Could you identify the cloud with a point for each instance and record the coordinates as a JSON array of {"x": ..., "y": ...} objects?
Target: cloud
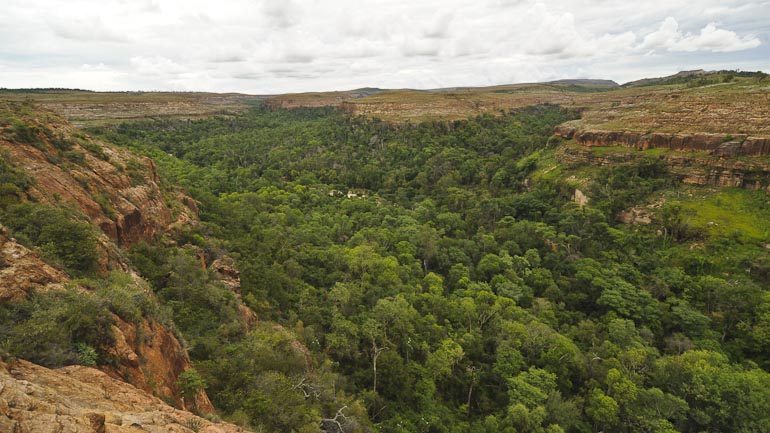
[
  {"x": 100, "y": 67},
  {"x": 86, "y": 29},
  {"x": 440, "y": 26},
  {"x": 418, "y": 47},
  {"x": 268, "y": 46},
  {"x": 713, "y": 39},
  {"x": 155, "y": 65},
  {"x": 281, "y": 14},
  {"x": 234, "y": 58}
]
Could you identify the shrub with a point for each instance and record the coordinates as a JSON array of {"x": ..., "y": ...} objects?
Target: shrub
[
  {"x": 62, "y": 239},
  {"x": 190, "y": 382},
  {"x": 57, "y": 328},
  {"x": 12, "y": 175},
  {"x": 122, "y": 295},
  {"x": 94, "y": 148},
  {"x": 25, "y": 133}
]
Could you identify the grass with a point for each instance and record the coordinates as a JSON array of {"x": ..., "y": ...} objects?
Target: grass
[
  {"x": 733, "y": 212},
  {"x": 611, "y": 150}
]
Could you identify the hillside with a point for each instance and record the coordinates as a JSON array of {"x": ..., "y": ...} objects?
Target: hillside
[
  {"x": 78, "y": 202},
  {"x": 573, "y": 256}
]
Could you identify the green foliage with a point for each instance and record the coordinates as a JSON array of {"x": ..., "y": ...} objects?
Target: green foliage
[
  {"x": 619, "y": 187},
  {"x": 62, "y": 239},
  {"x": 94, "y": 148},
  {"x": 86, "y": 355},
  {"x": 430, "y": 278},
  {"x": 57, "y": 328},
  {"x": 190, "y": 383},
  {"x": 134, "y": 170},
  {"x": 123, "y": 295},
  {"x": 13, "y": 182},
  {"x": 24, "y": 132},
  {"x": 104, "y": 202}
]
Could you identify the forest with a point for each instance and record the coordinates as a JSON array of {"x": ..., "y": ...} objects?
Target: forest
[{"x": 432, "y": 277}]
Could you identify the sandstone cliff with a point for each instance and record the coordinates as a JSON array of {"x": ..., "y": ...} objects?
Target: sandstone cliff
[
  {"x": 77, "y": 399},
  {"x": 120, "y": 194},
  {"x": 690, "y": 168},
  {"x": 117, "y": 190},
  {"x": 148, "y": 354},
  {"x": 717, "y": 144}
]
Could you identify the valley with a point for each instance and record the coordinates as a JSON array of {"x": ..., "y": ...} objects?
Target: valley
[{"x": 572, "y": 256}]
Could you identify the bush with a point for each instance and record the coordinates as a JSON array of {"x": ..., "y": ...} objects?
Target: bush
[
  {"x": 12, "y": 175},
  {"x": 62, "y": 239},
  {"x": 190, "y": 383},
  {"x": 94, "y": 148},
  {"x": 24, "y": 133},
  {"x": 57, "y": 328},
  {"x": 122, "y": 295}
]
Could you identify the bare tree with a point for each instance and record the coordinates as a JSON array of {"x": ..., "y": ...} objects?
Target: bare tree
[{"x": 336, "y": 422}]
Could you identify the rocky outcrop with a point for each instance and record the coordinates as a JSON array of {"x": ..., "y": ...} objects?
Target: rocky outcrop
[
  {"x": 725, "y": 145},
  {"x": 689, "y": 168},
  {"x": 147, "y": 354},
  {"x": 119, "y": 192},
  {"x": 151, "y": 359},
  {"x": 224, "y": 269},
  {"x": 22, "y": 271},
  {"x": 580, "y": 198},
  {"x": 116, "y": 189},
  {"x": 77, "y": 399}
]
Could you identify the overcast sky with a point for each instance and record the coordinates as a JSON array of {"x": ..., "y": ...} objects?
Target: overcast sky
[{"x": 278, "y": 46}]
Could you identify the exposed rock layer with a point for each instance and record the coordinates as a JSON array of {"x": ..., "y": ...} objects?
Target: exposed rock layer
[
  {"x": 21, "y": 271},
  {"x": 77, "y": 399},
  {"x": 690, "y": 168},
  {"x": 116, "y": 189},
  {"x": 716, "y": 144},
  {"x": 148, "y": 354}
]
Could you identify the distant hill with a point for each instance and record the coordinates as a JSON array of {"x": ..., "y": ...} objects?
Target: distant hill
[
  {"x": 586, "y": 82},
  {"x": 680, "y": 76}
]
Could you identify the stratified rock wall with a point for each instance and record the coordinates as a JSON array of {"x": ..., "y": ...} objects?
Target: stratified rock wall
[
  {"x": 691, "y": 169},
  {"x": 717, "y": 144}
]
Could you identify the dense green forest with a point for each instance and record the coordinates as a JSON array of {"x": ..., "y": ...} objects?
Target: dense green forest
[{"x": 439, "y": 278}]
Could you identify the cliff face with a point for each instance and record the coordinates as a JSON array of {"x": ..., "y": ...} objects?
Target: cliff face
[
  {"x": 76, "y": 399},
  {"x": 148, "y": 354},
  {"x": 116, "y": 189},
  {"x": 691, "y": 169},
  {"x": 22, "y": 271},
  {"x": 717, "y": 144},
  {"x": 120, "y": 194}
]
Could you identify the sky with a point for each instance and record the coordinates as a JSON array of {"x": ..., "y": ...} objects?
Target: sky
[{"x": 283, "y": 46}]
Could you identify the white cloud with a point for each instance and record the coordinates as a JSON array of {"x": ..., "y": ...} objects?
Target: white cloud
[
  {"x": 262, "y": 46},
  {"x": 155, "y": 65},
  {"x": 86, "y": 29},
  {"x": 710, "y": 38}
]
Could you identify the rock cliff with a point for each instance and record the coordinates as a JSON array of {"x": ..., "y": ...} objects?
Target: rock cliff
[
  {"x": 148, "y": 354},
  {"x": 77, "y": 399},
  {"x": 691, "y": 168},
  {"x": 120, "y": 194},
  {"x": 117, "y": 190},
  {"x": 726, "y": 145}
]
